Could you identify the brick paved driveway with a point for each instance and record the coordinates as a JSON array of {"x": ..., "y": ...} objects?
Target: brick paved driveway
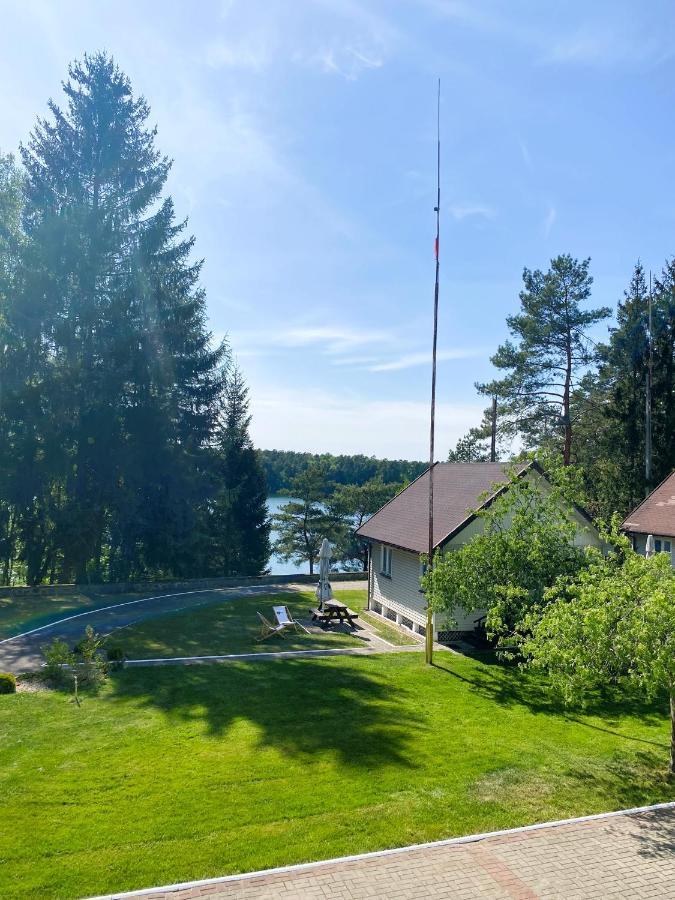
[{"x": 626, "y": 856}]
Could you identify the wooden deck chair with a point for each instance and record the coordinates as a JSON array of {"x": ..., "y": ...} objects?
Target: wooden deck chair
[
  {"x": 284, "y": 618},
  {"x": 267, "y": 629}
]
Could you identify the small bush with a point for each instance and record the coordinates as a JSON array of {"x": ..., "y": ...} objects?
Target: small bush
[
  {"x": 91, "y": 668},
  {"x": 7, "y": 683},
  {"x": 59, "y": 660},
  {"x": 116, "y": 656}
]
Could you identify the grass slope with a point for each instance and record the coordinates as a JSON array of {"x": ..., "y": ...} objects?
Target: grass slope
[
  {"x": 232, "y": 627},
  {"x": 182, "y": 773}
]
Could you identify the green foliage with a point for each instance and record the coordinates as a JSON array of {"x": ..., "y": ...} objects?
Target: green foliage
[
  {"x": 85, "y": 661},
  {"x": 525, "y": 544},
  {"x": 116, "y": 655},
  {"x": 236, "y": 539},
  {"x": 613, "y": 622},
  {"x": 475, "y": 445},
  {"x": 350, "y": 506},
  {"x": 90, "y": 664},
  {"x": 111, "y": 382},
  {"x": 610, "y": 404},
  {"x": 7, "y": 683},
  {"x": 550, "y": 354},
  {"x": 302, "y": 524},
  {"x": 59, "y": 661},
  {"x": 283, "y": 466}
]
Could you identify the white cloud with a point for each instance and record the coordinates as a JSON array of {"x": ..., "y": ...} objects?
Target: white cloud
[
  {"x": 334, "y": 36},
  {"x": 253, "y": 53},
  {"x": 628, "y": 39},
  {"x": 549, "y": 220},
  {"x": 320, "y": 421},
  {"x": 525, "y": 153},
  {"x": 331, "y": 340},
  {"x": 598, "y": 45},
  {"x": 461, "y": 211},
  {"x": 410, "y": 360}
]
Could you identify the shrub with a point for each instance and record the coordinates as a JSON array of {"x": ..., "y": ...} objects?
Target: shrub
[
  {"x": 91, "y": 668},
  {"x": 116, "y": 655},
  {"x": 7, "y": 683},
  {"x": 59, "y": 660}
]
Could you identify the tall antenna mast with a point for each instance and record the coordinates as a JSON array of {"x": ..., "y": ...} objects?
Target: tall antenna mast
[
  {"x": 429, "y": 635},
  {"x": 648, "y": 398}
]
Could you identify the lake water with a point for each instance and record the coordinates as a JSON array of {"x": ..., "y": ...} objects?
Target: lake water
[{"x": 278, "y": 566}]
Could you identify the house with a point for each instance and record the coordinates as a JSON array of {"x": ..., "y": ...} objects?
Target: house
[
  {"x": 398, "y": 535},
  {"x": 655, "y": 516}
]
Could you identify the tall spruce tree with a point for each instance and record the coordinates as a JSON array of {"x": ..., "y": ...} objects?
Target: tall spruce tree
[
  {"x": 610, "y": 443},
  {"x": 109, "y": 325},
  {"x": 550, "y": 354},
  {"x": 11, "y": 238},
  {"x": 238, "y": 524},
  {"x": 663, "y": 389}
]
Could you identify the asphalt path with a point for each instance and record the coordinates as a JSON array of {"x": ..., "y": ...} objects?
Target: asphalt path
[{"x": 22, "y": 653}]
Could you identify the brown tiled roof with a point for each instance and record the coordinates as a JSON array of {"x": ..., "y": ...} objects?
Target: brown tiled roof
[
  {"x": 404, "y": 521},
  {"x": 656, "y": 513}
]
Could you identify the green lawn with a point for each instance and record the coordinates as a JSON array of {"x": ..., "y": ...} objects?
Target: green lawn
[
  {"x": 393, "y": 634},
  {"x": 232, "y": 627},
  {"x": 180, "y": 773}
]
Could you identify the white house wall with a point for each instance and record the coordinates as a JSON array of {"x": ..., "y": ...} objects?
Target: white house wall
[
  {"x": 640, "y": 544},
  {"x": 401, "y": 593}
]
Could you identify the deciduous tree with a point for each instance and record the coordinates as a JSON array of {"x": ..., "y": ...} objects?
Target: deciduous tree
[
  {"x": 526, "y": 543},
  {"x": 613, "y": 623}
]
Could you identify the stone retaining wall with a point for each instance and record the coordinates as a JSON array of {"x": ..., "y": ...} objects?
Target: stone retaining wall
[{"x": 144, "y": 587}]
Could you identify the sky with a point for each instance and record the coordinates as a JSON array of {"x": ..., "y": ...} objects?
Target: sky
[{"x": 303, "y": 134}]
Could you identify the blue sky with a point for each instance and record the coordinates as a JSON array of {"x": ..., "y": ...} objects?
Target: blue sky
[{"x": 303, "y": 135}]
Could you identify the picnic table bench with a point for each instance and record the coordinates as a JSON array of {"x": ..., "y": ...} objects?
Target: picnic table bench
[{"x": 333, "y": 611}]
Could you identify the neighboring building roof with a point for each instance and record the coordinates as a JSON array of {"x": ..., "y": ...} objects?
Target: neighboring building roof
[
  {"x": 656, "y": 513},
  {"x": 404, "y": 521}
]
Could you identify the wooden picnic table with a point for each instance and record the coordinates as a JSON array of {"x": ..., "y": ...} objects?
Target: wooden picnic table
[{"x": 336, "y": 612}]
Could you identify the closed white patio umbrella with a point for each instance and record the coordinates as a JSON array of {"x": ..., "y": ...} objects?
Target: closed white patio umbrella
[
  {"x": 324, "y": 591},
  {"x": 650, "y": 548}
]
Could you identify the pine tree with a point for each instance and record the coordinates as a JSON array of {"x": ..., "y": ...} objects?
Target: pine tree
[
  {"x": 550, "y": 356},
  {"x": 111, "y": 323},
  {"x": 302, "y": 524},
  {"x": 237, "y": 515}
]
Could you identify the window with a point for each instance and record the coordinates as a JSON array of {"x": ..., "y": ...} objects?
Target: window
[
  {"x": 662, "y": 546},
  {"x": 385, "y": 561}
]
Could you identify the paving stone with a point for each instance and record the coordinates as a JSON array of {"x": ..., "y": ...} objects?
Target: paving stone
[{"x": 628, "y": 856}]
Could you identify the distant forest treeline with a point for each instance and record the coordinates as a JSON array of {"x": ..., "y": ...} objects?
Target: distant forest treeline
[{"x": 282, "y": 466}]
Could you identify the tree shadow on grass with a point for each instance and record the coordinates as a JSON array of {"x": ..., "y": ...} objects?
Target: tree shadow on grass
[
  {"x": 629, "y": 780},
  {"x": 508, "y": 686},
  {"x": 302, "y": 707}
]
